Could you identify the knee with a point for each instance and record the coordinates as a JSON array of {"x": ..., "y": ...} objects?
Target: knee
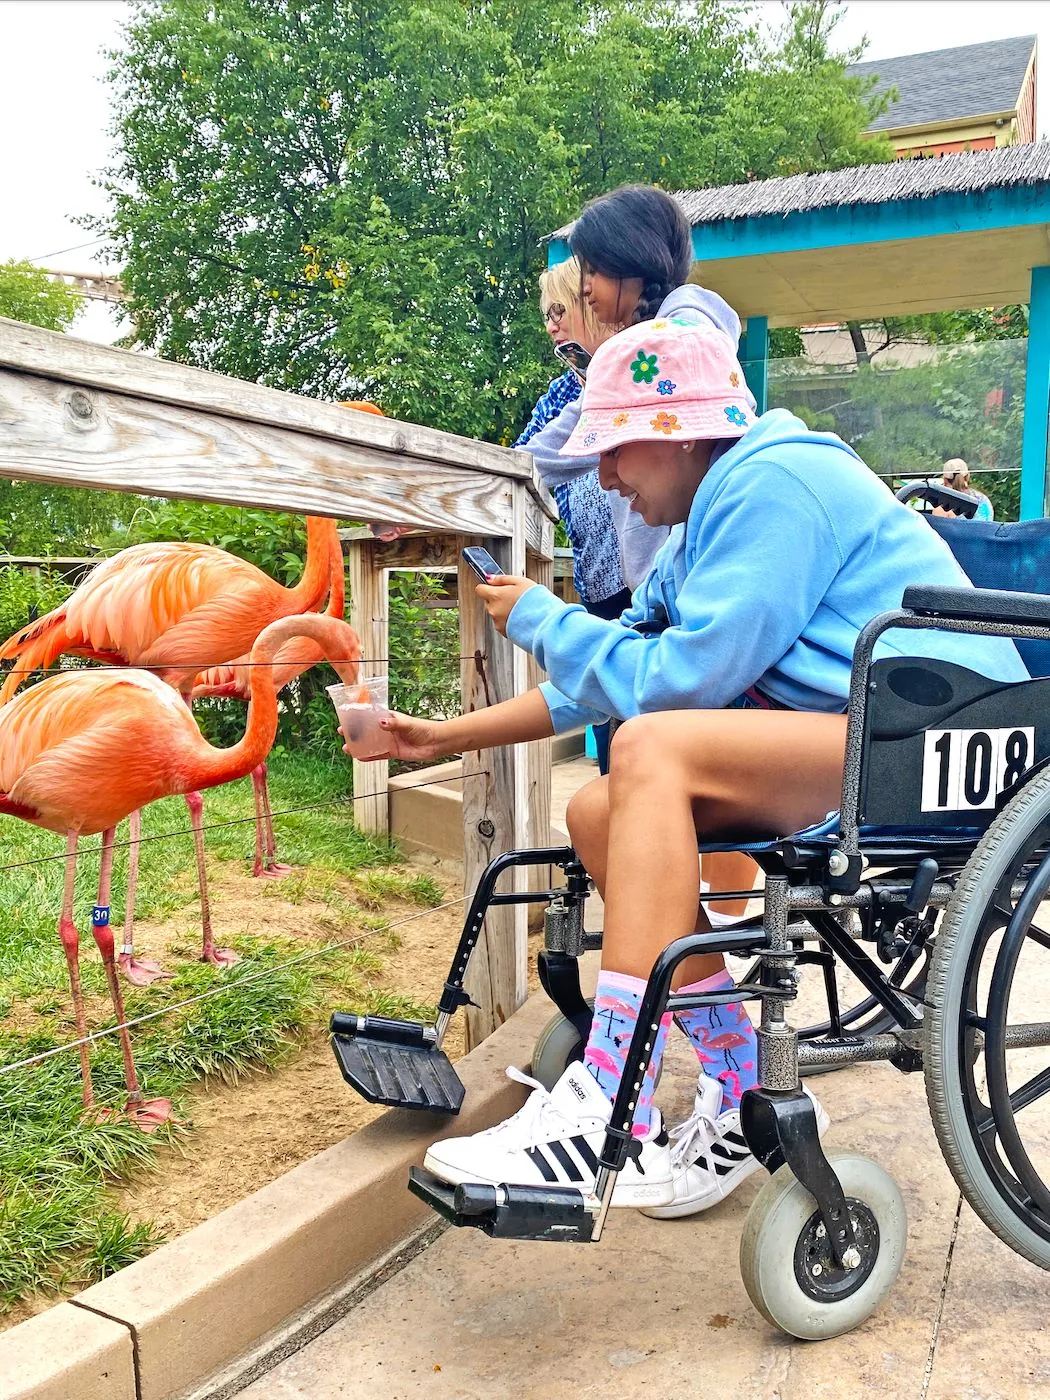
[
  {"x": 587, "y": 815},
  {"x": 639, "y": 749}
]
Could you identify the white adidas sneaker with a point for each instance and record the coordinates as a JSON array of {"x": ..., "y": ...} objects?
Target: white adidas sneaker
[
  {"x": 709, "y": 1157},
  {"x": 555, "y": 1140}
]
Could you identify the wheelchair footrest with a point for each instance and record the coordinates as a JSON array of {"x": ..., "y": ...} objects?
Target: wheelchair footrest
[
  {"x": 395, "y": 1063},
  {"x": 507, "y": 1212}
]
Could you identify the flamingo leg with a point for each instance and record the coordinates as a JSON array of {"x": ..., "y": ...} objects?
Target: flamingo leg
[
  {"x": 140, "y": 972},
  {"x": 67, "y": 932},
  {"x": 266, "y": 865},
  {"x": 221, "y": 957},
  {"x": 148, "y": 1114}
]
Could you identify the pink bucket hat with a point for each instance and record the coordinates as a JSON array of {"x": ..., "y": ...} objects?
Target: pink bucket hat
[{"x": 661, "y": 381}]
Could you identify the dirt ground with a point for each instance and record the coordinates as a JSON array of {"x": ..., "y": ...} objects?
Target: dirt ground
[{"x": 245, "y": 1135}]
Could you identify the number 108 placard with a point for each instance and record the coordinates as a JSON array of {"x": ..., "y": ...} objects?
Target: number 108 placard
[{"x": 967, "y": 769}]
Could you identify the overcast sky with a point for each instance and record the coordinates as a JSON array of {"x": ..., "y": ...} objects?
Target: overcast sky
[{"x": 54, "y": 113}]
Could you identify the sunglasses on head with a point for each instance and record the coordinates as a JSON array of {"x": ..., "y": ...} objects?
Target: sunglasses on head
[{"x": 554, "y": 312}]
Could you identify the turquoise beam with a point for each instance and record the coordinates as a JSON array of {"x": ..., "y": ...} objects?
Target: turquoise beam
[
  {"x": 850, "y": 224},
  {"x": 558, "y": 251},
  {"x": 1036, "y": 399},
  {"x": 754, "y": 357}
]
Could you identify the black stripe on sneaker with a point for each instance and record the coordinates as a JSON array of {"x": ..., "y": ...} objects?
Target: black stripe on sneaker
[
  {"x": 735, "y": 1138},
  {"x": 724, "y": 1168},
  {"x": 731, "y": 1154},
  {"x": 539, "y": 1161},
  {"x": 571, "y": 1170},
  {"x": 587, "y": 1157}
]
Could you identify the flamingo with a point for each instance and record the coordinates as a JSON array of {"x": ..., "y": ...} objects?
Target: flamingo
[
  {"x": 83, "y": 750},
  {"x": 168, "y": 607},
  {"x": 231, "y": 681}
]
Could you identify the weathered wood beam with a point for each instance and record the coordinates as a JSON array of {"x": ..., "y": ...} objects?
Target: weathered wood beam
[
  {"x": 64, "y": 357},
  {"x": 57, "y": 432}
]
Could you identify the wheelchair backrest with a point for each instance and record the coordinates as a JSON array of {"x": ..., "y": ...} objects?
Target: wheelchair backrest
[
  {"x": 942, "y": 745},
  {"x": 1013, "y": 555}
]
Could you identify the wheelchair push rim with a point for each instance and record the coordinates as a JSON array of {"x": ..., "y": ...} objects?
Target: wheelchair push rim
[{"x": 988, "y": 1027}]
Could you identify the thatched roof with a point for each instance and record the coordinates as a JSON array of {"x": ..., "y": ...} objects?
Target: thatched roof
[
  {"x": 971, "y": 173},
  {"x": 948, "y": 84}
]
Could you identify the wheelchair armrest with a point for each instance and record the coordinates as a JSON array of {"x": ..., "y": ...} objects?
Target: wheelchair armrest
[
  {"x": 937, "y": 495},
  {"x": 979, "y": 605}
]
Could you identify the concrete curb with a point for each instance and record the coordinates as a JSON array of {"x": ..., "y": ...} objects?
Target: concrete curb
[{"x": 165, "y": 1325}]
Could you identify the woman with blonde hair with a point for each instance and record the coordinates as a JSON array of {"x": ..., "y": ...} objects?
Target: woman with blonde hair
[
  {"x": 956, "y": 474},
  {"x": 597, "y": 568}
]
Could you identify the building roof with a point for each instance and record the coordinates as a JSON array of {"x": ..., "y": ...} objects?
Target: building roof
[
  {"x": 970, "y": 172},
  {"x": 950, "y": 84},
  {"x": 893, "y": 239}
]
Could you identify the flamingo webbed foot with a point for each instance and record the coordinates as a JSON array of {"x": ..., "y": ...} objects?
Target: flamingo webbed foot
[{"x": 140, "y": 972}]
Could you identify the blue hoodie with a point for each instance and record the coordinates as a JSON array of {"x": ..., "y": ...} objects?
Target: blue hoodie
[{"x": 792, "y": 545}]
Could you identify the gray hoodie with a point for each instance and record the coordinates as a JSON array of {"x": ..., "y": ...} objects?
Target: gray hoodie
[{"x": 639, "y": 542}]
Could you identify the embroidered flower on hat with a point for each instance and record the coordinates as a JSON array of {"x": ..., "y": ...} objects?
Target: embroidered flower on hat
[
  {"x": 644, "y": 368},
  {"x": 736, "y": 415},
  {"x": 666, "y": 386},
  {"x": 621, "y": 419},
  {"x": 589, "y": 438},
  {"x": 659, "y": 325},
  {"x": 666, "y": 423},
  {"x": 734, "y": 379}
]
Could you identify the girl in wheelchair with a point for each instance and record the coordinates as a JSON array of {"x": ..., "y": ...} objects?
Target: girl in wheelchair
[{"x": 730, "y": 671}]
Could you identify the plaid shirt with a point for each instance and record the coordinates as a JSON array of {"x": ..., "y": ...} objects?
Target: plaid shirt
[{"x": 583, "y": 506}]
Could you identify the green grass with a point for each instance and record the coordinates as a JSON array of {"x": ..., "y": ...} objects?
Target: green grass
[{"x": 56, "y": 1229}]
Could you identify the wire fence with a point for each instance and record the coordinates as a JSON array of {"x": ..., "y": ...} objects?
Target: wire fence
[
  {"x": 263, "y": 973},
  {"x": 96, "y": 847}
]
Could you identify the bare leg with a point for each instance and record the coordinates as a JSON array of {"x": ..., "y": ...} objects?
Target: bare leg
[
  {"x": 70, "y": 946},
  {"x": 139, "y": 971},
  {"x": 676, "y": 775},
  {"x": 147, "y": 1114},
  {"x": 266, "y": 862},
  {"x": 221, "y": 957},
  {"x": 729, "y": 870}
]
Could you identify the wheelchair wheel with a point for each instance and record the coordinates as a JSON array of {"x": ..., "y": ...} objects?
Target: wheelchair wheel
[
  {"x": 987, "y": 1029},
  {"x": 867, "y": 1016},
  {"x": 788, "y": 1269},
  {"x": 558, "y": 1045}
]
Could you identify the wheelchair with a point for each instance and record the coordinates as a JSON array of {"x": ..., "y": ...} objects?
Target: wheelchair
[{"x": 938, "y": 860}]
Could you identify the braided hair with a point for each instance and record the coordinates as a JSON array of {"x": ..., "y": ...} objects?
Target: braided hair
[{"x": 636, "y": 231}]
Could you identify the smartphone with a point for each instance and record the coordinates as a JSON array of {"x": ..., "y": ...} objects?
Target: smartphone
[
  {"x": 576, "y": 357},
  {"x": 482, "y": 562}
]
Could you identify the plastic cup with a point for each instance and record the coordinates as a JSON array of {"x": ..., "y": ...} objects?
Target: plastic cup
[{"x": 360, "y": 707}]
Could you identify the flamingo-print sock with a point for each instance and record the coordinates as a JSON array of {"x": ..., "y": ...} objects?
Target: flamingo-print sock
[
  {"x": 616, "y": 1005},
  {"x": 724, "y": 1040}
]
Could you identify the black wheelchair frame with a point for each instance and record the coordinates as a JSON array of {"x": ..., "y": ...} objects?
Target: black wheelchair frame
[{"x": 816, "y": 884}]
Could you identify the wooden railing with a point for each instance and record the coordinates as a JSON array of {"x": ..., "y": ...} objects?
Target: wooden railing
[{"x": 77, "y": 414}]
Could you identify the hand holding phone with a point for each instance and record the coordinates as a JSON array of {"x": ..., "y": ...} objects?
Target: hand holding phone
[{"x": 482, "y": 562}]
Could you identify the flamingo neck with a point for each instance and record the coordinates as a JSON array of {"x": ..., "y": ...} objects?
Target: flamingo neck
[
  {"x": 322, "y": 539},
  {"x": 338, "y": 642}
]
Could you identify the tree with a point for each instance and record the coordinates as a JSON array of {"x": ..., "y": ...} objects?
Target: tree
[
  {"x": 37, "y": 519},
  {"x": 348, "y": 197},
  {"x": 29, "y": 295}
]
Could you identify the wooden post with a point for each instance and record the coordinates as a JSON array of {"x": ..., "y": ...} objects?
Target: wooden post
[
  {"x": 370, "y": 618},
  {"x": 493, "y": 799}
]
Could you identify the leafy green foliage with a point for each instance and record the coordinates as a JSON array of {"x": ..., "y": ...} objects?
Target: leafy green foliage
[
  {"x": 967, "y": 402},
  {"x": 29, "y": 295},
  {"x": 25, "y": 596},
  {"x": 347, "y": 197}
]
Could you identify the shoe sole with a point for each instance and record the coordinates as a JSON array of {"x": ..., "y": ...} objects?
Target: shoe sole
[
  {"x": 630, "y": 1197},
  {"x": 725, "y": 1186}
]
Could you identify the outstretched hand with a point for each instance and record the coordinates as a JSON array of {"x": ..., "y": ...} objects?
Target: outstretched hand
[
  {"x": 409, "y": 739},
  {"x": 500, "y": 595}
]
